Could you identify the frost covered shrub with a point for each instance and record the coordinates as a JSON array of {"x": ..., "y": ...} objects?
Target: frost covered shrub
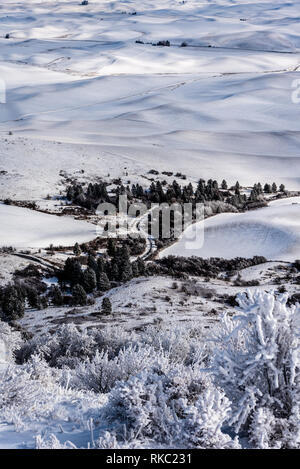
[
  {"x": 268, "y": 431},
  {"x": 98, "y": 359},
  {"x": 64, "y": 347},
  {"x": 70, "y": 345},
  {"x": 184, "y": 343},
  {"x": 10, "y": 341},
  {"x": 51, "y": 442},
  {"x": 176, "y": 408},
  {"x": 111, "y": 363},
  {"x": 101, "y": 373},
  {"x": 212, "y": 207},
  {"x": 20, "y": 386},
  {"x": 257, "y": 364},
  {"x": 33, "y": 393}
]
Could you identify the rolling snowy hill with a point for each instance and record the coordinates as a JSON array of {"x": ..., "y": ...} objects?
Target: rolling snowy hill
[
  {"x": 75, "y": 74},
  {"x": 272, "y": 232},
  {"x": 23, "y": 228}
]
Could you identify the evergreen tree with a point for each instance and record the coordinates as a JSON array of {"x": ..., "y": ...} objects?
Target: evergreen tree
[
  {"x": 274, "y": 187},
  {"x": 126, "y": 271},
  {"x": 70, "y": 193},
  {"x": 43, "y": 302},
  {"x": 259, "y": 188},
  {"x": 125, "y": 253},
  {"x": 101, "y": 264},
  {"x": 160, "y": 192},
  {"x": 201, "y": 186},
  {"x": 106, "y": 307},
  {"x": 176, "y": 189},
  {"x": 104, "y": 283},
  {"x": 56, "y": 296},
  {"x": 79, "y": 296},
  {"x": 77, "y": 250},
  {"x": 111, "y": 247},
  {"x": 135, "y": 269},
  {"x": 33, "y": 298},
  {"x": 13, "y": 303},
  {"x": 282, "y": 188},
  {"x": 92, "y": 264},
  {"x": 72, "y": 271},
  {"x": 141, "y": 266},
  {"x": 84, "y": 247},
  {"x": 89, "y": 280},
  {"x": 253, "y": 195},
  {"x": 224, "y": 185},
  {"x": 114, "y": 273}
]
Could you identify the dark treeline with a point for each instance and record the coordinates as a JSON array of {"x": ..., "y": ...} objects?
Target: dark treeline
[
  {"x": 162, "y": 192},
  {"x": 199, "y": 267}
]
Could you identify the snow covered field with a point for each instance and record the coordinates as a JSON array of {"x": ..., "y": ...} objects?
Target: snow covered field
[
  {"x": 24, "y": 228},
  {"x": 74, "y": 74},
  {"x": 273, "y": 232}
]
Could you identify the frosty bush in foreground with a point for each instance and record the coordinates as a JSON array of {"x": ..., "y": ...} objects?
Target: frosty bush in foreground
[
  {"x": 62, "y": 348},
  {"x": 100, "y": 374},
  {"x": 10, "y": 341},
  {"x": 164, "y": 387},
  {"x": 52, "y": 443},
  {"x": 179, "y": 408},
  {"x": 33, "y": 393},
  {"x": 101, "y": 357},
  {"x": 257, "y": 365}
]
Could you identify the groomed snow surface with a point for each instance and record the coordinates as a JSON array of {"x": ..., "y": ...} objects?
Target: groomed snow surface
[{"x": 273, "y": 232}]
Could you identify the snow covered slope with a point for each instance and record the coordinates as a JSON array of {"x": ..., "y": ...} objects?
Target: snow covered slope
[
  {"x": 24, "y": 228},
  {"x": 273, "y": 232},
  {"x": 75, "y": 74}
]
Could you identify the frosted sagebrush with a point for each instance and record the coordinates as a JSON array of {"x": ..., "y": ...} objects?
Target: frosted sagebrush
[{"x": 257, "y": 363}]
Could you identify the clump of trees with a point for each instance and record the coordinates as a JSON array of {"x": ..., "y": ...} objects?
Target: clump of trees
[
  {"x": 216, "y": 199},
  {"x": 197, "y": 266},
  {"x": 161, "y": 192},
  {"x": 272, "y": 188},
  {"x": 100, "y": 274},
  {"x": 78, "y": 283},
  {"x": 89, "y": 198},
  {"x": 15, "y": 296}
]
